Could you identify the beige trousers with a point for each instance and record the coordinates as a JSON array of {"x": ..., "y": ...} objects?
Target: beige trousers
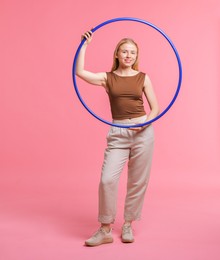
[{"x": 137, "y": 148}]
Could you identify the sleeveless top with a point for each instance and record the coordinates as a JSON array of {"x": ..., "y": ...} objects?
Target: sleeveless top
[{"x": 125, "y": 95}]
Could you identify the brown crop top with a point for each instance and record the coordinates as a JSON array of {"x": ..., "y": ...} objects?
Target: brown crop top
[{"x": 125, "y": 95}]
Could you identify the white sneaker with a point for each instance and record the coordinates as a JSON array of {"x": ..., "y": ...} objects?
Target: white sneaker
[
  {"x": 127, "y": 234},
  {"x": 100, "y": 237}
]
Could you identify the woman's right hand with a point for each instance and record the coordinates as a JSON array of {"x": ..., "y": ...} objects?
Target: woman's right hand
[{"x": 88, "y": 36}]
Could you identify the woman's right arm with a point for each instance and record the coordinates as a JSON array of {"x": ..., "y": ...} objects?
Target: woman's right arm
[{"x": 90, "y": 77}]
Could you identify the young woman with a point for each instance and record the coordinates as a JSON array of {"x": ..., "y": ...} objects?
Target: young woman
[{"x": 125, "y": 86}]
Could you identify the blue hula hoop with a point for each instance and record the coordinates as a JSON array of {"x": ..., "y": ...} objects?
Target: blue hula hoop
[{"x": 172, "y": 46}]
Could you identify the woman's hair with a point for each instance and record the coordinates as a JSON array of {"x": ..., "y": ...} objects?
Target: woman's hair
[{"x": 115, "y": 59}]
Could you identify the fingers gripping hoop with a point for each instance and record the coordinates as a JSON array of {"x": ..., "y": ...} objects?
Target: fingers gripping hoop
[{"x": 172, "y": 46}]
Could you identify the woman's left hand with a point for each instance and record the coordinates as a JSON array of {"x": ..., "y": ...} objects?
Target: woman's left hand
[{"x": 138, "y": 129}]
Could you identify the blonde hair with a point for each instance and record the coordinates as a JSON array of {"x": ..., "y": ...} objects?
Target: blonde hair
[{"x": 115, "y": 59}]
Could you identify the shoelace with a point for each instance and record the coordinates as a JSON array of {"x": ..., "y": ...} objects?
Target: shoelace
[
  {"x": 100, "y": 230},
  {"x": 126, "y": 229}
]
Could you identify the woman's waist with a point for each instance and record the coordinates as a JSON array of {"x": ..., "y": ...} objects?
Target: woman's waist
[{"x": 131, "y": 121}]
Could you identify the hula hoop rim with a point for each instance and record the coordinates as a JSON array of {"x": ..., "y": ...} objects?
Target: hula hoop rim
[{"x": 174, "y": 50}]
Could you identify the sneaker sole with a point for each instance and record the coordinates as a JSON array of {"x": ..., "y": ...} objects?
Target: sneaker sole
[
  {"x": 105, "y": 241},
  {"x": 127, "y": 241}
]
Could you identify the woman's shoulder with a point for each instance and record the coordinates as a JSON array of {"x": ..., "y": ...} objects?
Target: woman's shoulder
[{"x": 144, "y": 75}]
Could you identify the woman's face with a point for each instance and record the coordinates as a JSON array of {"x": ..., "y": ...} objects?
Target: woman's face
[{"x": 127, "y": 55}]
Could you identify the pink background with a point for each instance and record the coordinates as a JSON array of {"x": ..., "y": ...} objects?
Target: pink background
[{"x": 51, "y": 148}]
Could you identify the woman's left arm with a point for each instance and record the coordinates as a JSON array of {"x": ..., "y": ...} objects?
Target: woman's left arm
[{"x": 151, "y": 99}]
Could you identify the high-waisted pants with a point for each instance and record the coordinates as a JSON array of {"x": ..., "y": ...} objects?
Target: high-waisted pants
[{"x": 124, "y": 145}]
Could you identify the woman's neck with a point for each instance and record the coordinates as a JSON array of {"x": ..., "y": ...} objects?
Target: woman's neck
[{"x": 126, "y": 71}]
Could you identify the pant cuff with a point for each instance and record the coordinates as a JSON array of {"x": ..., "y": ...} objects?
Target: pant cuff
[{"x": 106, "y": 219}]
